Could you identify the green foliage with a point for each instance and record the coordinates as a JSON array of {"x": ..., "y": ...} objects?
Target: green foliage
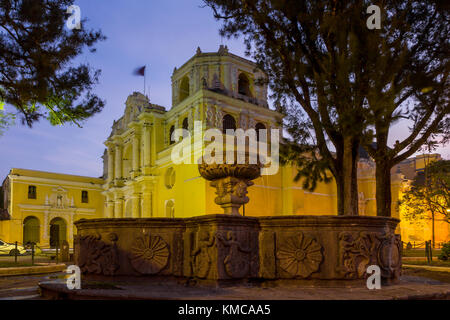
[
  {"x": 37, "y": 75},
  {"x": 445, "y": 252},
  {"x": 6, "y": 118}
]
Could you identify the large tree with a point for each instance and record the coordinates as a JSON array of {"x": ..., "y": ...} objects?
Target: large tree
[
  {"x": 37, "y": 73},
  {"x": 408, "y": 70},
  {"x": 428, "y": 196},
  {"x": 325, "y": 66}
]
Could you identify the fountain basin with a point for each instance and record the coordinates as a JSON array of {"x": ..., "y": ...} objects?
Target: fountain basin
[{"x": 228, "y": 248}]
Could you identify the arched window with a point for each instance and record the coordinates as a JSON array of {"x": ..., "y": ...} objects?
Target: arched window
[
  {"x": 186, "y": 123},
  {"x": 244, "y": 85},
  {"x": 170, "y": 209},
  {"x": 259, "y": 126},
  {"x": 31, "y": 230},
  {"x": 172, "y": 129},
  {"x": 169, "y": 178},
  {"x": 184, "y": 89},
  {"x": 228, "y": 123},
  {"x": 185, "y": 126}
]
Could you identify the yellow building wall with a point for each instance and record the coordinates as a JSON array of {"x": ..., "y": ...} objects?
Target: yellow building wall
[{"x": 44, "y": 207}]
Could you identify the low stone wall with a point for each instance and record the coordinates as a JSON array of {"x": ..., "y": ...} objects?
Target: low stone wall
[{"x": 221, "y": 248}]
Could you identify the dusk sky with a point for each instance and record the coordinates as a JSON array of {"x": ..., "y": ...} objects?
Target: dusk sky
[{"x": 159, "y": 34}]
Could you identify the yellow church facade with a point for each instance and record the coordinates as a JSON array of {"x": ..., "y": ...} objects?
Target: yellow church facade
[
  {"x": 41, "y": 206},
  {"x": 215, "y": 89}
]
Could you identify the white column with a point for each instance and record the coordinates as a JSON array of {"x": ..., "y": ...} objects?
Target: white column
[
  {"x": 118, "y": 162},
  {"x": 136, "y": 203},
  {"x": 136, "y": 153},
  {"x": 118, "y": 206},
  {"x": 110, "y": 164},
  {"x": 109, "y": 206},
  {"x": 147, "y": 145}
]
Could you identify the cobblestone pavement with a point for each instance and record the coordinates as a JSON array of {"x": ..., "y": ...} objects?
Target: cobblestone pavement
[
  {"x": 410, "y": 287},
  {"x": 25, "y": 287}
]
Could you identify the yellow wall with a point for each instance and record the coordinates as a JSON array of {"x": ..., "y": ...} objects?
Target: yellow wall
[{"x": 46, "y": 206}]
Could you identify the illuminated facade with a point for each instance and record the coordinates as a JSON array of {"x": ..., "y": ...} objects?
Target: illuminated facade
[
  {"x": 221, "y": 91},
  {"x": 42, "y": 206}
]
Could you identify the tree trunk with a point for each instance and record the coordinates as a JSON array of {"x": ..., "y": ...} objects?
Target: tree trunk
[
  {"x": 383, "y": 189},
  {"x": 349, "y": 179},
  {"x": 432, "y": 228},
  {"x": 355, "y": 159},
  {"x": 340, "y": 196}
]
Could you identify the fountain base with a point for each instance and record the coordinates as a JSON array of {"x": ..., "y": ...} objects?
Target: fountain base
[{"x": 235, "y": 249}]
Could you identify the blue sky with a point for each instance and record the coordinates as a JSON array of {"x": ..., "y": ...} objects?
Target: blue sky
[{"x": 159, "y": 34}]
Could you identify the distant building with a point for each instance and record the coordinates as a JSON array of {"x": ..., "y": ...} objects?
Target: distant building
[{"x": 41, "y": 206}]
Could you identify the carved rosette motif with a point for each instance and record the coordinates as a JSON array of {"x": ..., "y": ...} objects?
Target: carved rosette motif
[
  {"x": 95, "y": 256},
  {"x": 299, "y": 255},
  {"x": 149, "y": 254}
]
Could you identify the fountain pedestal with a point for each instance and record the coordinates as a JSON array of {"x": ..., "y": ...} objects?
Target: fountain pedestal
[{"x": 231, "y": 182}]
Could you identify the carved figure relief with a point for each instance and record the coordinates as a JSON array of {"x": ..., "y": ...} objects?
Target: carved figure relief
[
  {"x": 356, "y": 251},
  {"x": 96, "y": 256},
  {"x": 149, "y": 254},
  {"x": 243, "y": 122},
  {"x": 299, "y": 256},
  {"x": 201, "y": 257},
  {"x": 219, "y": 119},
  {"x": 237, "y": 261}
]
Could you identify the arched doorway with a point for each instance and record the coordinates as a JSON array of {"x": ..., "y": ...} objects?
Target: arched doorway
[
  {"x": 31, "y": 230},
  {"x": 58, "y": 231}
]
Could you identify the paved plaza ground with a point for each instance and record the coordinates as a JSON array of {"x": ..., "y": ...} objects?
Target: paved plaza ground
[
  {"x": 414, "y": 284},
  {"x": 417, "y": 282}
]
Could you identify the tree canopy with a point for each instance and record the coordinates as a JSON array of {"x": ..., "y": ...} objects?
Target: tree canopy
[
  {"x": 342, "y": 85},
  {"x": 37, "y": 72},
  {"x": 429, "y": 193}
]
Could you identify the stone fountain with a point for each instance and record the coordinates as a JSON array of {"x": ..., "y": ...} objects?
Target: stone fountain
[{"x": 224, "y": 248}]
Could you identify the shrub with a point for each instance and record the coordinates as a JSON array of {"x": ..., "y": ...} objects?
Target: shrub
[{"x": 445, "y": 252}]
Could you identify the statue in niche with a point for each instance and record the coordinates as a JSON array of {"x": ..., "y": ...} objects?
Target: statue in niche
[
  {"x": 59, "y": 201},
  {"x": 204, "y": 83}
]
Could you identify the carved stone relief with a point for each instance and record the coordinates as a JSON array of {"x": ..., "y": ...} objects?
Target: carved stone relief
[
  {"x": 299, "y": 255},
  {"x": 238, "y": 259},
  {"x": 149, "y": 254},
  {"x": 201, "y": 257},
  {"x": 96, "y": 256},
  {"x": 210, "y": 116}
]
